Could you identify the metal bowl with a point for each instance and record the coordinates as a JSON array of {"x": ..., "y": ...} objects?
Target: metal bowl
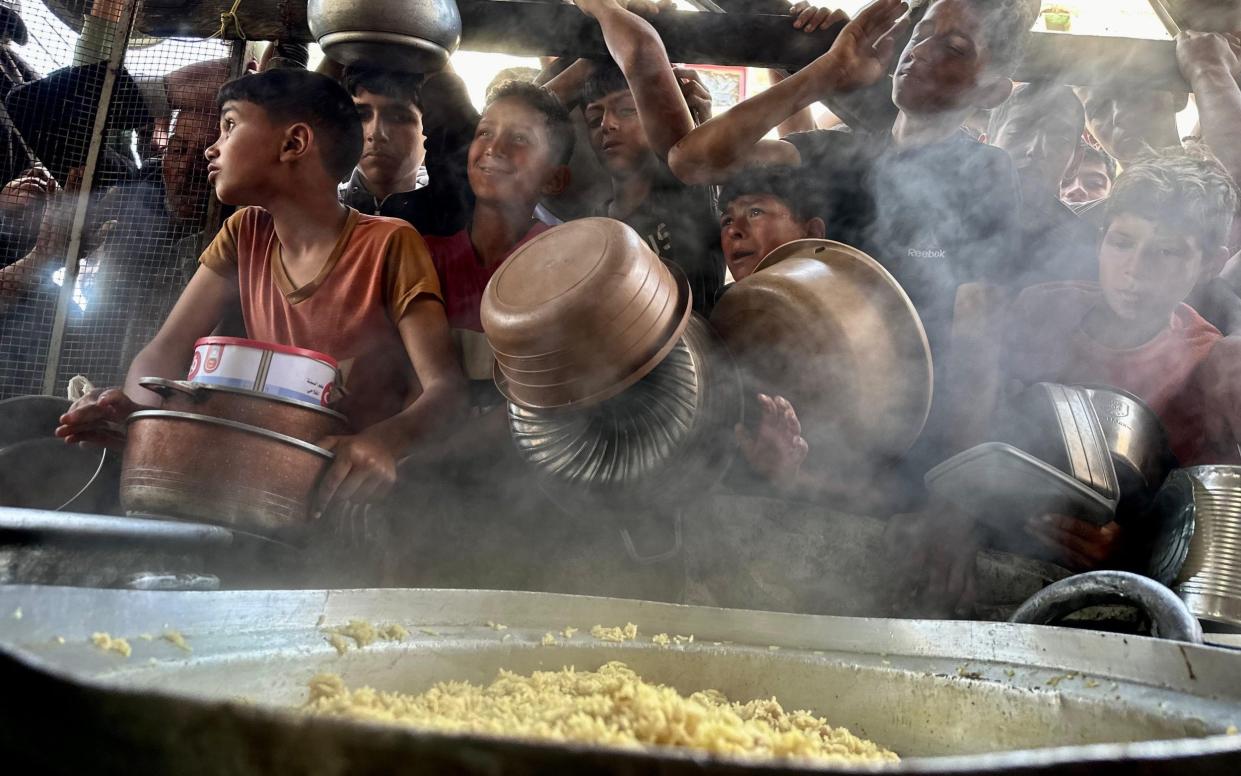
[
  {"x": 1210, "y": 580},
  {"x": 580, "y": 313},
  {"x": 413, "y": 35},
  {"x": 1136, "y": 439},
  {"x": 828, "y": 328},
  {"x": 663, "y": 439}
]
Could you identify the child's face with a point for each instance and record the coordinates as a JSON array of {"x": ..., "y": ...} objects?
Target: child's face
[
  {"x": 184, "y": 169},
  {"x": 1040, "y": 142},
  {"x": 754, "y": 225},
  {"x": 616, "y": 133},
  {"x": 1089, "y": 182},
  {"x": 511, "y": 158},
  {"x": 944, "y": 65},
  {"x": 1129, "y": 122},
  {"x": 393, "y": 141},
  {"x": 239, "y": 161},
  {"x": 1147, "y": 268}
]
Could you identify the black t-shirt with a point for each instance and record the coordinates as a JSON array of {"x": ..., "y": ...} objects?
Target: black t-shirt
[
  {"x": 935, "y": 216},
  {"x": 681, "y": 225}
]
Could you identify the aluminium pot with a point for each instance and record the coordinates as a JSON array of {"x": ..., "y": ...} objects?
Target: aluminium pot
[
  {"x": 412, "y": 35},
  {"x": 300, "y": 420},
  {"x": 194, "y": 467}
]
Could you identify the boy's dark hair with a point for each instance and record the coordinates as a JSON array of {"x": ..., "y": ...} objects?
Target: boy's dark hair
[
  {"x": 1187, "y": 187},
  {"x": 1090, "y": 152},
  {"x": 527, "y": 74},
  {"x": 559, "y": 125},
  {"x": 291, "y": 95},
  {"x": 604, "y": 79},
  {"x": 1006, "y": 28},
  {"x": 1048, "y": 98},
  {"x": 387, "y": 83},
  {"x": 786, "y": 184}
]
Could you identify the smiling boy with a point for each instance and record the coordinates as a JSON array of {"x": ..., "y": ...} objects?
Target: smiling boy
[{"x": 308, "y": 272}]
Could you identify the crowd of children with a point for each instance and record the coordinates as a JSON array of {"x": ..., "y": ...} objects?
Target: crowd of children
[{"x": 356, "y": 238}]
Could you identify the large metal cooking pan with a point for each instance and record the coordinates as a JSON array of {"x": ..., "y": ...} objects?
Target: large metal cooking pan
[{"x": 950, "y": 697}]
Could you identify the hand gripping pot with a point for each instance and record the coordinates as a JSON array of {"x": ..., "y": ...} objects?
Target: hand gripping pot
[
  {"x": 580, "y": 313},
  {"x": 279, "y": 370}
]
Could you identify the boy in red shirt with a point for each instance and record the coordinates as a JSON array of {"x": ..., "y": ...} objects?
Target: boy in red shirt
[
  {"x": 519, "y": 155},
  {"x": 1168, "y": 220},
  {"x": 312, "y": 273}
]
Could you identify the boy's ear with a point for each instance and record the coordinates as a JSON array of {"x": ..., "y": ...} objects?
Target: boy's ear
[
  {"x": 816, "y": 228},
  {"x": 993, "y": 93},
  {"x": 298, "y": 139},
  {"x": 557, "y": 181}
]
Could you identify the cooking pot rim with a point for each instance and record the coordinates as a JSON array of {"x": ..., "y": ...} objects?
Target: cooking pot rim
[{"x": 234, "y": 425}]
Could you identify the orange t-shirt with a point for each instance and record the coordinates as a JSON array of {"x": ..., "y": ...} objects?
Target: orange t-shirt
[{"x": 348, "y": 311}]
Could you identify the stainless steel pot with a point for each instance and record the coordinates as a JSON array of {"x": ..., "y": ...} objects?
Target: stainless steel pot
[
  {"x": 300, "y": 420},
  {"x": 949, "y": 697},
  {"x": 1136, "y": 439},
  {"x": 664, "y": 439},
  {"x": 413, "y": 35},
  {"x": 188, "y": 466}
]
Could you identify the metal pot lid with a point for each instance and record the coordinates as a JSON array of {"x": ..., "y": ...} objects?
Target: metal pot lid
[{"x": 232, "y": 425}]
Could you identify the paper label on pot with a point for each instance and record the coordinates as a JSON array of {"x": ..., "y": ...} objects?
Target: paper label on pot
[
  {"x": 213, "y": 357},
  {"x": 195, "y": 365}
]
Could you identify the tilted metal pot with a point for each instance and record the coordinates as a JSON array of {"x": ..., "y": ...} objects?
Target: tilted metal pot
[
  {"x": 300, "y": 420},
  {"x": 413, "y": 35},
  {"x": 189, "y": 466}
]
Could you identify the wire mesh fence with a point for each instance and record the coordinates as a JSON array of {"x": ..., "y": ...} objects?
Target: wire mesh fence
[{"x": 106, "y": 202}]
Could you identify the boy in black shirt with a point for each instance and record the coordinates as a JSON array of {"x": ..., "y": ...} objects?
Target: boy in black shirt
[
  {"x": 1040, "y": 127},
  {"x": 635, "y": 111},
  {"x": 935, "y": 207},
  {"x": 408, "y": 121}
]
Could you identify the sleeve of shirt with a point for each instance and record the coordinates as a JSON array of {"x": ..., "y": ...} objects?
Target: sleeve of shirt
[
  {"x": 1217, "y": 391},
  {"x": 221, "y": 255},
  {"x": 410, "y": 272}
]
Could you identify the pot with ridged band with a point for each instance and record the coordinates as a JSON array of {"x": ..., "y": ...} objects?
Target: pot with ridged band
[{"x": 300, "y": 420}]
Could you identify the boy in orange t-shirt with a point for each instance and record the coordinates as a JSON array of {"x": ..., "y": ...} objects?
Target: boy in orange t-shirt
[{"x": 312, "y": 273}]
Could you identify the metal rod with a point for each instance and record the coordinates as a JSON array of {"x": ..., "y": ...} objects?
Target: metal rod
[
  {"x": 1165, "y": 16},
  {"x": 116, "y": 60}
]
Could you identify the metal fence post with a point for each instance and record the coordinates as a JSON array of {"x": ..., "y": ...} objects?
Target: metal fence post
[{"x": 116, "y": 60}]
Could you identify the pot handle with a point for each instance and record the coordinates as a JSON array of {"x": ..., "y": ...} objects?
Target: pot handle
[
  {"x": 166, "y": 388},
  {"x": 1169, "y": 617}
]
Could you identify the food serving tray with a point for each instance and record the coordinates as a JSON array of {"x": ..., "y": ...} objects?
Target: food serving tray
[{"x": 949, "y": 697}]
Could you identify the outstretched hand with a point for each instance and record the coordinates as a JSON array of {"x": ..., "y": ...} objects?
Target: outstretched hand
[
  {"x": 98, "y": 418},
  {"x": 364, "y": 472},
  {"x": 775, "y": 448},
  {"x": 863, "y": 52},
  {"x": 1078, "y": 545},
  {"x": 1197, "y": 52}
]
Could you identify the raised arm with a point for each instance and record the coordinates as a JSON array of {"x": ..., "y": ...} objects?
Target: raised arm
[
  {"x": 715, "y": 151},
  {"x": 1210, "y": 62},
  {"x": 638, "y": 51}
]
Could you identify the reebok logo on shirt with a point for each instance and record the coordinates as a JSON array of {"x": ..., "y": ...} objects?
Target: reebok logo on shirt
[{"x": 914, "y": 253}]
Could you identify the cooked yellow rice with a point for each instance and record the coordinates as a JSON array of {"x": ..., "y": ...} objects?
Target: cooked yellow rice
[{"x": 611, "y": 706}]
